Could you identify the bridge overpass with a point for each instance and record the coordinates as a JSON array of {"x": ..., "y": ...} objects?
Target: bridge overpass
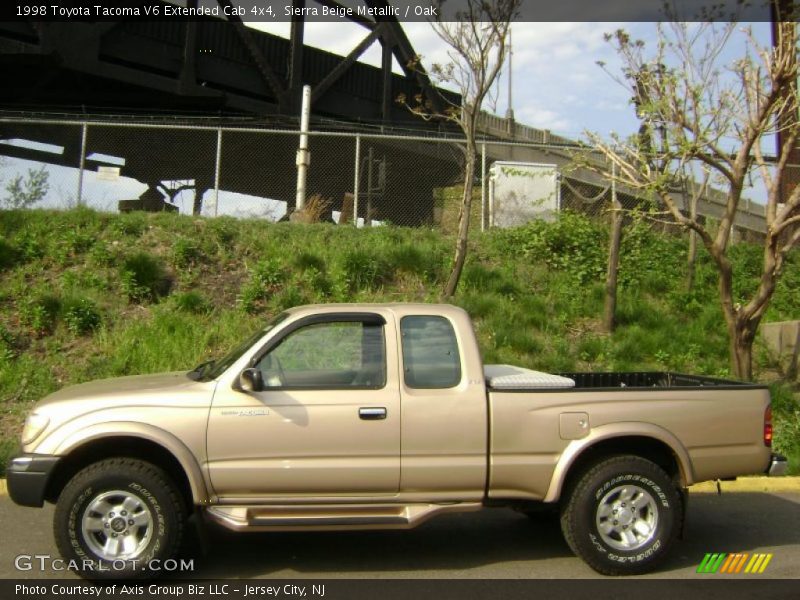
[
  {"x": 207, "y": 66},
  {"x": 208, "y": 72}
]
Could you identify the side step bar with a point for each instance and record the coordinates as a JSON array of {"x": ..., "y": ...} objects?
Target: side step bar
[{"x": 330, "y": 517}]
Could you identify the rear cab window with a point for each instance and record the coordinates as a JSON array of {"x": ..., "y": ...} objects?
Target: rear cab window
[{"x": 431, "y": 358}]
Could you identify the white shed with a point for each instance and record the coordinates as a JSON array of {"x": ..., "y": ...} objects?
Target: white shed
[{"x": 520, "y": 192}]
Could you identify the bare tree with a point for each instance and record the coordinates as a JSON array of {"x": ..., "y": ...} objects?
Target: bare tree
[
  {"x": 612, "y": 269},
  {"x": 477, "y": 51},
  {"x": 716, "y": 120}
]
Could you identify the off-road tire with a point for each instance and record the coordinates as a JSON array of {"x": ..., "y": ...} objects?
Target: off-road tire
[
  {"x": 141, "y": 482},
  {"x": 594, "y": 534}
]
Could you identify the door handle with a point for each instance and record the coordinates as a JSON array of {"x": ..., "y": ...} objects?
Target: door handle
[{"x": 372, "y": 413}]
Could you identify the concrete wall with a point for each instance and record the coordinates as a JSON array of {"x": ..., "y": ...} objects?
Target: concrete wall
[{"x": 783, "y": 343}]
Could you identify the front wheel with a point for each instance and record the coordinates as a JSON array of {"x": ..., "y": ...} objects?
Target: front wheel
[
  {"x": 117, "y": 518},
  {"x": 622, "y": 516}
]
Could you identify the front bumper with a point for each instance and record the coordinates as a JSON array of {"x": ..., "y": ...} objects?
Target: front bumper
[
  {"x": 27, "y": 476},
  {"x": 778, "y": 465}
]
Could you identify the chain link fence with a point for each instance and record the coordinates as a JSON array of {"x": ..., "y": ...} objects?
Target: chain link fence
[{"x": 358, "y": 178}]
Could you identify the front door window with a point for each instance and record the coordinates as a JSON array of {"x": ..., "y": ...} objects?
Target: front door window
[{"x": 332, "y": 355}]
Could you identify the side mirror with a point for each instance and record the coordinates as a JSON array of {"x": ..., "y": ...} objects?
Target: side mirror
[{"x": 250, "y": 380}]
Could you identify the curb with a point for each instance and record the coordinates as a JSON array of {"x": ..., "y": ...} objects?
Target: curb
[
  {"x": 743, "y": 484},
  {"x": 749, "y": 484}
]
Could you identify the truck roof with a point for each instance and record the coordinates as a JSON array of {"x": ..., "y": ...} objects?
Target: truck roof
[{"x": 396, "y": 307}]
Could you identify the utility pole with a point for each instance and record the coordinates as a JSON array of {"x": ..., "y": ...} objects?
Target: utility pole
[
  {"x": 303, "y": 155},
  {"x": 510, "y": 109}
]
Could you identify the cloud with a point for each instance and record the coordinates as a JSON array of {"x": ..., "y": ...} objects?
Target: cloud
[
  {"x": 537, "y": 116},
  {"x": 557, "y": 83}
]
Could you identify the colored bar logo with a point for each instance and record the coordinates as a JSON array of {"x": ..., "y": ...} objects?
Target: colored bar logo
[{"x": 734, "y": 563}]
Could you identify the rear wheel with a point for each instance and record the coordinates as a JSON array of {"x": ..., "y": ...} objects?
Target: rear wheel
[
  {"x": 117, "y": 516},
  {"x": 622, "y": 516}
]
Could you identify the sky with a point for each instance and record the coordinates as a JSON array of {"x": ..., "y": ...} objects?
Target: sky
[{"x": 557, "y": 83}]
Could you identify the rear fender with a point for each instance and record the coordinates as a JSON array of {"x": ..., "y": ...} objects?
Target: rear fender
[{"x": 617, "y": 431}]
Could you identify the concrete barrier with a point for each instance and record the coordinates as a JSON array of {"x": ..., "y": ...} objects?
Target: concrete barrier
[{"x": 783, "y": 343}]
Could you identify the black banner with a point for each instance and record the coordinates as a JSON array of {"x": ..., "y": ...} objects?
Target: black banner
[
  {"x": 401, "y": 10},
  {"x": 403, "y": 589}
]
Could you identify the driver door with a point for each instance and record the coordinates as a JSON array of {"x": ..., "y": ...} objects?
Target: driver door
[{"x": 327, "y": 422}]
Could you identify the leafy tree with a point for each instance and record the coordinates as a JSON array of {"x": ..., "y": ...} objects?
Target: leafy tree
[
  {"x": 27, "y": 191},
  {"x": 700, "y": 117}
]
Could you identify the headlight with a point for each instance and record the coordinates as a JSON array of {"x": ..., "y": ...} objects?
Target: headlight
[{"x": 34, "y": 426}]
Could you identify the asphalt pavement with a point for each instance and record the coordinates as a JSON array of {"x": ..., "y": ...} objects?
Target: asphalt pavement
[{"x": 494, "y": 543}]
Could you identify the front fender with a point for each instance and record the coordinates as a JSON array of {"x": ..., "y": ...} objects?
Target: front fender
[
  {"x": 617, "y": 431},
  {"x": 158, "y": 436}
]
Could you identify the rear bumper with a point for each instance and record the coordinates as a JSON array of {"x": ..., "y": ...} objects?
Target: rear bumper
[
  {"x": 778, "y": 465},
  {"x": 27, "y": 477}
]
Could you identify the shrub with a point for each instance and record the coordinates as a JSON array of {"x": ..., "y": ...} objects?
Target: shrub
[
  {"x": 8, "y": 448},
  {"x": 9, "y": 255},
  {"x": 31, "y": 246},
  {"x": 364, "y": 270},
  {"x": 267, "y": 277},
  {"x": 186, "y": 252},
  {"x": 484, "y": 279},
  {"x": 80, "y": 315},
  {"x": 309, "y": 260},
  {"x": 316, "y": 283},
  {"x": 39, "y": 314},
  {"x": 77, "y": 241},
  {"x": 786, "y": 416},
  {"x": 480, "y": 278},
  {"x": 593, "y": 348},
  {"x": 133, "y": 224},
  {"x": 523, "y": 342},
  {"x": 572, "y": 243},
  {"x": 222, "y": 230},
  {"x": 479, "y": 305},
  {"x": 784, "y": 303},
  {"x": 533, "y": 311},
  {"x": 288, "y": 297},
  {"x": 191, "y": 302},
  {"x": 143, "y": 277},
  {"x": 100, "y": 255},
  {"x": 83, "y": 279},
  {"x": 411, "y": 259},
  {"x": 650, "y": 260},
  {"x": 689, "y": 303},
  {"x": 8, "y": 346}
]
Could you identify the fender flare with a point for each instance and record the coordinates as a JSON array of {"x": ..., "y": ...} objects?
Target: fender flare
[
  {"x": 576, "y": 448},
  {"x": 158, "y": 436}
]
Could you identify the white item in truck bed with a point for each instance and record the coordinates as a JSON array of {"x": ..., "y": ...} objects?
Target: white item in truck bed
[{"x": 509, "y": 377}]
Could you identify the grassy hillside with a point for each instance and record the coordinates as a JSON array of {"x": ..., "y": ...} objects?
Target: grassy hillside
[{"x": 85, "y": 295}]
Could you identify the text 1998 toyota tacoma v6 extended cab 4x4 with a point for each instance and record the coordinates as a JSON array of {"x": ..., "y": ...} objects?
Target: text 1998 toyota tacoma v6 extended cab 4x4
[{"x": 342, "y": 417}]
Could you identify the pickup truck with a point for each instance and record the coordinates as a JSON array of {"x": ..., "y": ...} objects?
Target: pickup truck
[{"x": 379, "y": 416}]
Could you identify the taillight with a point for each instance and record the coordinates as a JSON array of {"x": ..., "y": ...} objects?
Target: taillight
[{"x": 768, "y": 427}]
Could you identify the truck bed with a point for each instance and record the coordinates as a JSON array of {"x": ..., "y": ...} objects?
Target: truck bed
[{"x": 650, "y": 379}]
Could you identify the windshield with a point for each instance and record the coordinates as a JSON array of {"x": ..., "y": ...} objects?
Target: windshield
[{"x": 211, "y": 369}]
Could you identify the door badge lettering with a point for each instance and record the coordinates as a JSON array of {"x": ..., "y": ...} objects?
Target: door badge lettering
[{"x": 245, "y": 412}]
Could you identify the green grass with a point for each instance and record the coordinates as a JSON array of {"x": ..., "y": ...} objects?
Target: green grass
[
  {"x": 85, "y": 295},
  {"x": 8, "y": 448}
]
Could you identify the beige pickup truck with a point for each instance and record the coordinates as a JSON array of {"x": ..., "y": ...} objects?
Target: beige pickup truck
[{"x": 380, "y": 416}]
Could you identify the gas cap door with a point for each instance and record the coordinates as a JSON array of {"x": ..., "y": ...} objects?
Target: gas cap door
[{"x": 573, "y": 425}]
